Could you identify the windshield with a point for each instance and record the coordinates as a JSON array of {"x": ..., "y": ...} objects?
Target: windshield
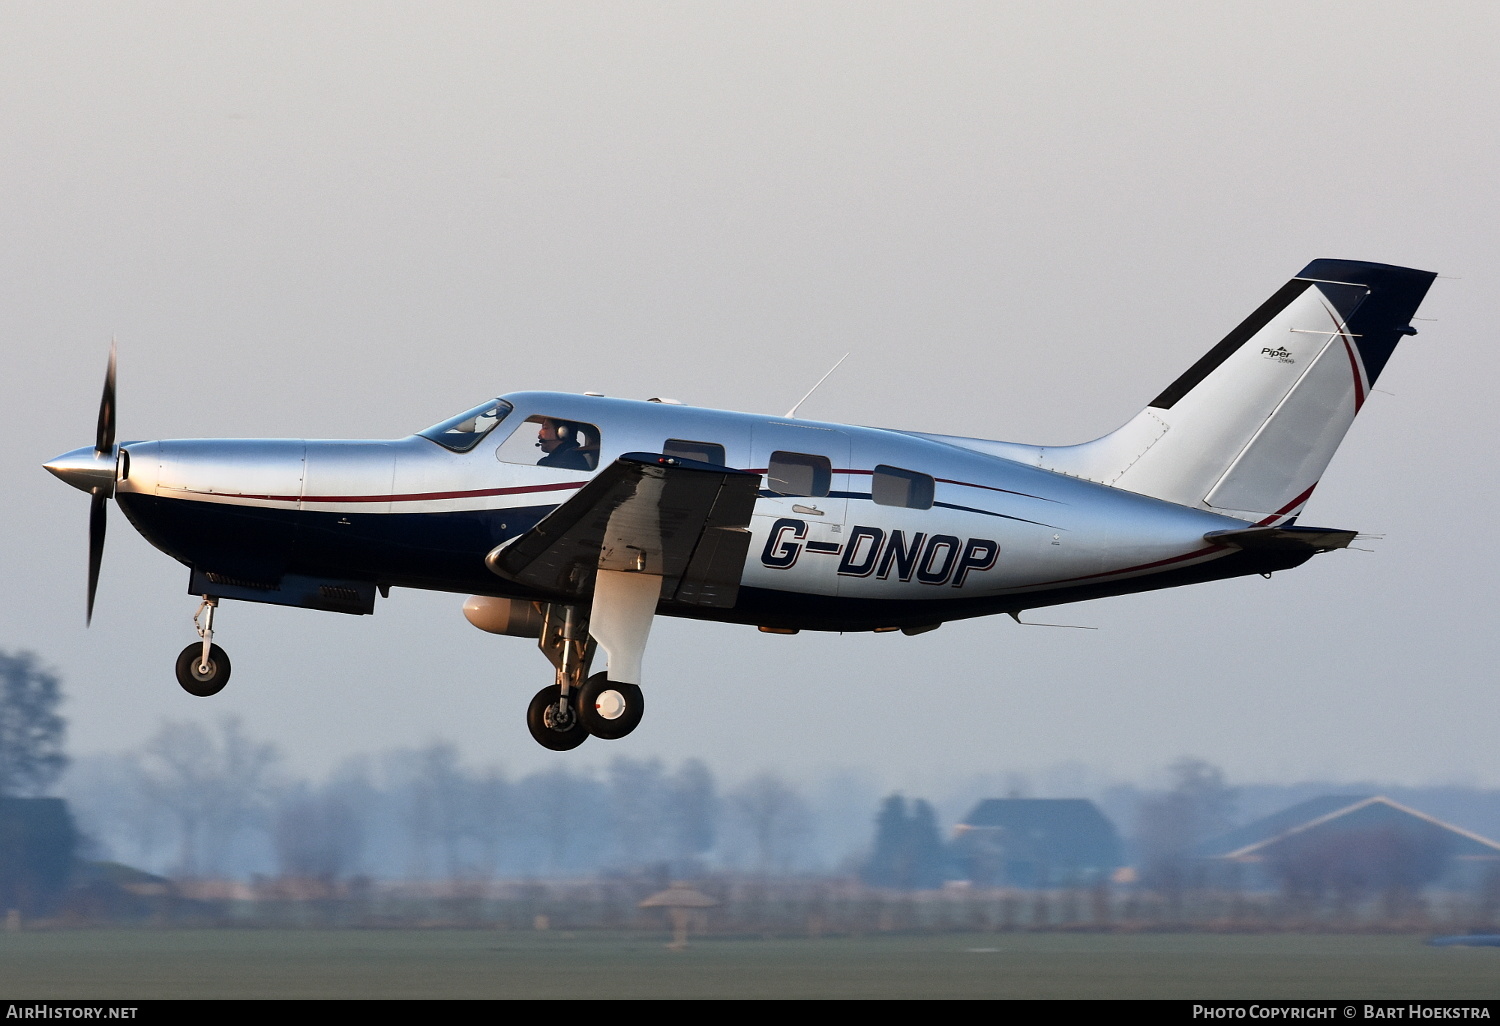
[{"x": 465, "y": 431}]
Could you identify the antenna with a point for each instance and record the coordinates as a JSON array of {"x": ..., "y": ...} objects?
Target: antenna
[
  {"x": 793, "y": 411},
  {"x": 1069, "y": 626}
]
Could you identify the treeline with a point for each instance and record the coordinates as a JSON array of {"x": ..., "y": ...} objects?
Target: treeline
[
  {"x": 212, "y": 802},
  {"x": 208, "y": 802}
]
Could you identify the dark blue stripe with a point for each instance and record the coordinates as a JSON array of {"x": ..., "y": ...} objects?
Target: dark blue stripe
[{"x": 1002, "y": 516}]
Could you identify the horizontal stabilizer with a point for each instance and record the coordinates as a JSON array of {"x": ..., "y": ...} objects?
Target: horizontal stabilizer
[
  {"x": 1283, "y": 539},
  {"x": 678, "y": 519}
]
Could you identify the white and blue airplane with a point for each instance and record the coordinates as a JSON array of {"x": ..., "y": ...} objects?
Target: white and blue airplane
[{"x": 578, "y": 519}]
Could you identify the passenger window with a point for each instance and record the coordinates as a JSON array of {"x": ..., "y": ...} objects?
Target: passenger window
[
  {"x": 796, "y": 473},
  {"x": 552, "y": 442},
  {"x": 703, "y": 452},
  {"x": 892, "y": 486}
]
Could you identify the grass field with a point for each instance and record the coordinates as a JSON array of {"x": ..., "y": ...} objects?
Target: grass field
[{"x": 479, "y": 964}]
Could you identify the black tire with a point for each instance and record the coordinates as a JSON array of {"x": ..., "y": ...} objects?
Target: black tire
[
  {"x": 196, "y": 682},
  {"x": 539, "y": 720},
  {"x": 594, "y": 702}
]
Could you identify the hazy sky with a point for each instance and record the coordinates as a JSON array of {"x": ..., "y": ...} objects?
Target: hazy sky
[{"x": 353, "y": 220}]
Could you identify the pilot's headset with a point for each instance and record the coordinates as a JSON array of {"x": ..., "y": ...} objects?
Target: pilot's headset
[{"x": 564, "y": 430}]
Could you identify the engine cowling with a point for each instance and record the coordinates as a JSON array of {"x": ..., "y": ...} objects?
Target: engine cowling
[{"x": 515, "y": 617}]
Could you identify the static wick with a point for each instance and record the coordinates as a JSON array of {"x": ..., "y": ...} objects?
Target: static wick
[{"x": 793, "y": 411}]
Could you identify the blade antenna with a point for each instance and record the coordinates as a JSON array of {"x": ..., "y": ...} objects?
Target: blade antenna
[
  {"x": 793, "y": 411},
  {"x": 1066, "y": 626}
]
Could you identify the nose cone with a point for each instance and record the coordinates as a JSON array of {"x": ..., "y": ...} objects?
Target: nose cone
[{"x": 86, "y": 469}]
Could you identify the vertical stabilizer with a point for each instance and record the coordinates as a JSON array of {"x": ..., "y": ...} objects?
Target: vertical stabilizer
[{"x": 1249, "y": 428}]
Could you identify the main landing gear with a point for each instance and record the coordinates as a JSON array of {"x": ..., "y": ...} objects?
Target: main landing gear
[
  {"x": 203, "y": 668},
  {"x": 563, "y": 715}
]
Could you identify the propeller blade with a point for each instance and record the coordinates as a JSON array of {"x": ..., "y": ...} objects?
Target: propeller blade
[
  {"x": 104, "y": 439},
  {"x": 97, "y": 516}
]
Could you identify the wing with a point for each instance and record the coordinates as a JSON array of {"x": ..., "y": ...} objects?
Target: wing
[{"x": 683, "y": 521}]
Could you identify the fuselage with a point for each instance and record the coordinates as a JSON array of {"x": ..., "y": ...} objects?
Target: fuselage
[{"x": 901, "y": 530}]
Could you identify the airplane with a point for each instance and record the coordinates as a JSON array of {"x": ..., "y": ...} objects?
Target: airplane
[{"x": 575, "y": 520}]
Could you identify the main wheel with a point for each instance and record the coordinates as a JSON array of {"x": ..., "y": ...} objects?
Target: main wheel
[
  {"x": 199, "y": 678},
  {"x": 559, "y": 734},
  {"x": 608, "y": 708}
]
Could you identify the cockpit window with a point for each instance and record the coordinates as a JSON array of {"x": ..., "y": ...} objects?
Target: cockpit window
[
  {"x": 468, "y": 429},
  {"x": 552, "y": 442}
]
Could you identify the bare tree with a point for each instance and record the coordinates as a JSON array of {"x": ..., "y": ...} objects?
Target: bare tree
[
  {"x": 638, "y": 810},
  {"x": 442, "y": 795},
  {"x": 317, "y": 834},
  {"x": 212, "y": 783},
  {"x": 776, "y": 818},
  {"x": 494, "y": 810},
  {"x": 115, "y": 810},
  {"x": 1351, "y": 864},
  {"x": 562, "y": 810},
  {"x": 692, "y": 813},
  {"x": 31, "y": 731},
  {"x": 1198, "y": 806}
]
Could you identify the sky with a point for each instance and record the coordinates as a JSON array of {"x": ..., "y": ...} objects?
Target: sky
[{"x": 352, "y": 220}]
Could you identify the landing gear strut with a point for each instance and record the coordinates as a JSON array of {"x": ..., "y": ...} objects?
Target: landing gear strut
[
  {"x": 617, "y": 619},
  {"x": 553, "y": 716},
  {"x": 203, "y": 668}
]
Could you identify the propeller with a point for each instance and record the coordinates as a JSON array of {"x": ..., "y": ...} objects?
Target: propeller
[
  {"x": 93, "y": 470},
  {"x": 104, "y": 448}
]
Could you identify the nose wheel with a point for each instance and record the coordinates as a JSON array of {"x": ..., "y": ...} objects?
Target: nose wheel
[
  {"x": 203, "y": 668},
  {"x": 199, "y": 676}
]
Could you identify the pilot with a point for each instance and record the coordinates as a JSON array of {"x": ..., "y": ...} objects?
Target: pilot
[{"x": 559, "y": 440}]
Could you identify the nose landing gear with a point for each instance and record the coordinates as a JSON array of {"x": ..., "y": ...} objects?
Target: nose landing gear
[{"x": 203, "y": 668}]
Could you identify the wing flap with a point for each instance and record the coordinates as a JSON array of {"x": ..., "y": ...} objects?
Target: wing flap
[{"x": 683, "y": 521}]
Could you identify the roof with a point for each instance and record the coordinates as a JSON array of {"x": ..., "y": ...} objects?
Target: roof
[
  {"x": 1073, "y": 826},
  {"x": 1277, "y": 824},
  {"x": 1342, "y": 813},
  {"x": 679, "y": 896}
]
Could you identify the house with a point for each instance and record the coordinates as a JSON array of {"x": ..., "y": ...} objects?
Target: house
[
  {"x": 37, "y": 843},
  {"x": 1036, "y": 842},
  {"x": 1353, "y": 843}
]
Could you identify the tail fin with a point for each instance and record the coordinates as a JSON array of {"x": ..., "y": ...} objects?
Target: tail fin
[{"x": 1249, "y": 428}]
